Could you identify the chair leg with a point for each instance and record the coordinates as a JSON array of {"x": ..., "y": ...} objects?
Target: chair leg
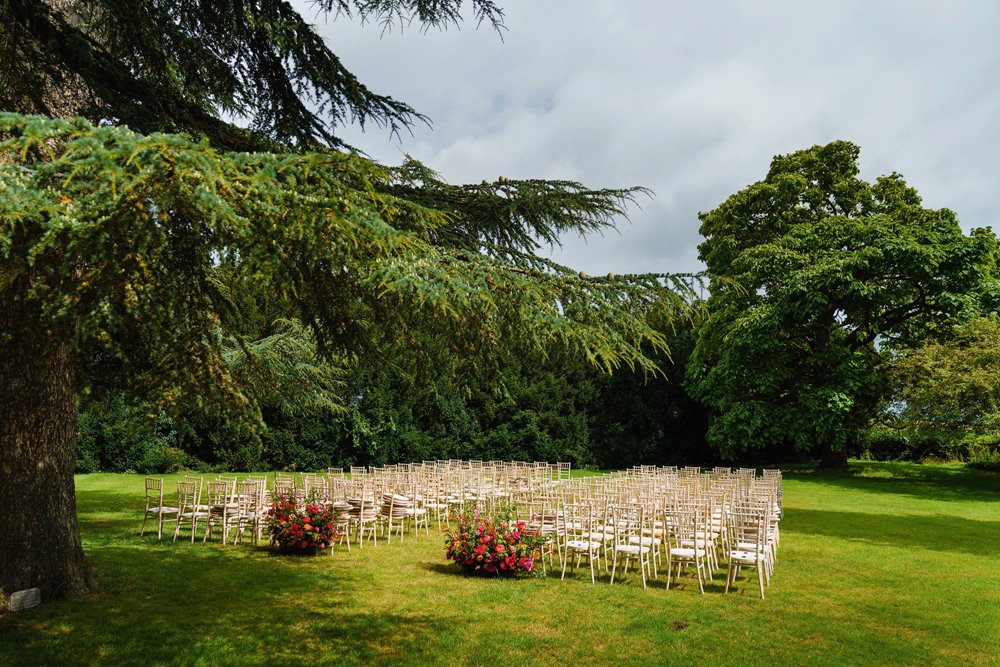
[{"x": 734, "y": 572}]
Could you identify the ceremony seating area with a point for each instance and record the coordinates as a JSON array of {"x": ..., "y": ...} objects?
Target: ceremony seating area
[
  {"x": 845, "y": 568},
  {"x": 678, "y": 525}
]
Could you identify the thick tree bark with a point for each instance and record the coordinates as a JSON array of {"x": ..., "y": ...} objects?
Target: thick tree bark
[
  {"x": 39, "y": 537},
  {"x": 834, "y": 458}
]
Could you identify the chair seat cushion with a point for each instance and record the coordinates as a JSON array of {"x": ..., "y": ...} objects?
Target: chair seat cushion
[
  {"x": 685, "y": 552},
  {"x": 746, "y": 546},
  {"x": 741, "y": 556},
  {"x": 631, "y": 549},
  {"x": 583, "y": 545}
]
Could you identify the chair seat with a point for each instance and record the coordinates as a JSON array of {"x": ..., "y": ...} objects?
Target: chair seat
[
  {"x": 751, "y": 557},
  {"x": 695, "y": 544},
  {"x": 686, "y": 552},
  {"x": 162, "y": 510},
  {"x": 633, "y": 549},
  {"x": 582, "y": 545},
  {"x": 745, "y": 546}
]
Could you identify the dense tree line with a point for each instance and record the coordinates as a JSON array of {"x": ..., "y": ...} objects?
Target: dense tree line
[
  {"x": 539, "y": 407},
  {"x": 843, "y": 319}
]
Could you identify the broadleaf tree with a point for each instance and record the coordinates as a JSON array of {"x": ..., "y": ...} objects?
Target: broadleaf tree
[
  {"x": 816, "y": 276},
  {"x": 950, "y": 387},
  {"x": 111, "y": 237}
]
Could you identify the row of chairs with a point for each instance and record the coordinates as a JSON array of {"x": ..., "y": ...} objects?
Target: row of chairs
[
  {"x": 224, "y": 504},
  {"x": 228, "y": 506},
  {"x": 660, "y": 519},
  {"x": 664, "y": 520},
  {"x": 677, "y": 537}
]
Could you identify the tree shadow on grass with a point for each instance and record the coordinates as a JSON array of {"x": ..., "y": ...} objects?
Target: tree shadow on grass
[
  {"x": 938, "y": 532},
  {"x": 448, "y": 568},
  {"x": 927, "y": 482},
  {"x": 216, "y": 606}
]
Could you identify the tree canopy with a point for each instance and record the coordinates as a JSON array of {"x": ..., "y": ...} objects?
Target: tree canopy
[
  {"x": 951, "y": 386},
  {"x": 122, "y": 234},
  {"x": 112, "y": 238},
  {"x": 186, "y": 65},
  {"x": 815, "y": 276}
]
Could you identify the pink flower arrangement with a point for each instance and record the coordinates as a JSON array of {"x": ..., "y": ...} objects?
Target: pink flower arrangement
[
  {"x": 298, "y": 529},
  {"x": 492, "y": 545}
]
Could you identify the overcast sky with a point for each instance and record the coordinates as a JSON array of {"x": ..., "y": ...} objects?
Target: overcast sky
[{"x": 692, "y": 99}]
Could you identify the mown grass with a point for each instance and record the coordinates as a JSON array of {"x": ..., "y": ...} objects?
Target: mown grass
[{"x": 879, "y": 564}]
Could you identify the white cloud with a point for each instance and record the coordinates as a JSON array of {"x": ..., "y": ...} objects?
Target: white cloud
[{"x": 692, "y": 100}]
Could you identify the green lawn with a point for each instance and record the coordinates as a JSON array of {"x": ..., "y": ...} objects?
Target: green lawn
[{"x": 882, "y": 564}]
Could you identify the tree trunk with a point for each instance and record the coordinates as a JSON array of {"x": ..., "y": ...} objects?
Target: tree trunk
[
  {"x": 834, "y": 458},
  {"x": 39, "y": 537}
]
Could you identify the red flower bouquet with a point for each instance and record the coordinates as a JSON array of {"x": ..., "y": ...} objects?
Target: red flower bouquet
[
  {"x": 301, "y": 529},
  {"x": 492, "y": 545}
]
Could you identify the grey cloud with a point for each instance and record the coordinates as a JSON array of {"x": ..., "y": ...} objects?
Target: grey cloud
[{"x": 693, "y": 100}]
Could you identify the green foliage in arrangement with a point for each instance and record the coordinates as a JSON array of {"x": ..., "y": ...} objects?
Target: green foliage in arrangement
[
  {"x": 815, "y": 276},
  {"x": 495, "y": 543},
  {"x": 879, "y": 564}
]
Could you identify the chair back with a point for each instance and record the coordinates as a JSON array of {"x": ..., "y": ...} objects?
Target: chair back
[
  {"x": 220, "y": 493},
  {"x": 154, "y": 492},
  {"x": 188, "y": 496}
]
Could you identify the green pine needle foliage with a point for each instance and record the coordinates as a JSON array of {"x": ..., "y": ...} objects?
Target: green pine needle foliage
[{"x": 123, "y": 235}]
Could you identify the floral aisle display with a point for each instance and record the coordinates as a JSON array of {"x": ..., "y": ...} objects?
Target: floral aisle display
[
  {"x": 301, "y": 527},
  {"x": 493, "y": 545}
]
